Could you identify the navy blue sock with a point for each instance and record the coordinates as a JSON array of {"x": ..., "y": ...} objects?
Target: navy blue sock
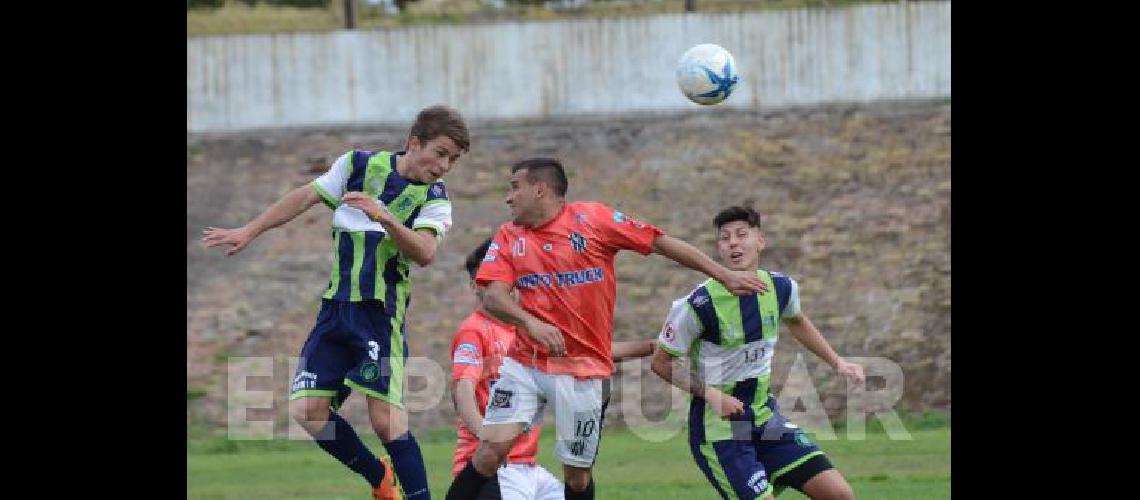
[
  {"x": 339, "y": 440},
  {"x": 409, "y": 465}
]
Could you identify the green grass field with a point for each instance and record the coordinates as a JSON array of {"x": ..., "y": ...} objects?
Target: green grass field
[{"x": 628, "y": 467}]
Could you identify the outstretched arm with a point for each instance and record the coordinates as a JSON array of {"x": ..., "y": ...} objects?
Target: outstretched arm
[
  {"x": 630, "y": 349},
  {"x": 806, "y": 333},
  {"x": 284, "y": 210},
  {"x": 681, "y": 252}
]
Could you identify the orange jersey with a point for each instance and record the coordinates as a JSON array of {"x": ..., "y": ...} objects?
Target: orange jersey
[
  {"x": 564, "y": 273},
  {"x": 476, "y": 354}
]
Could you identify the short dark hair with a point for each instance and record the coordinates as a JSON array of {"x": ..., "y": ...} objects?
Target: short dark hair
[
  {"x": 434, "y": 121},
  {"x": 735, "y": 213},
  {"x": 548, "y": 170},
  {"x": 475, "y": 258}
]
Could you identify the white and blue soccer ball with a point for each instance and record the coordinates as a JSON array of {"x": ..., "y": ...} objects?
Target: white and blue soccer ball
[{"x": 707, "y": 74}]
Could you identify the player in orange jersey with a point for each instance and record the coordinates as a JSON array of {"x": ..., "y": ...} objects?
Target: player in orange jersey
[
  {"x": 480, "y": 344},
  {"x": 560, "y": 258}
]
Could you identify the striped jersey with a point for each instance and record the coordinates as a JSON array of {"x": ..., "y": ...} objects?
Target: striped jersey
[
  {"x": 730, "y": 339},
  {"x": 367, "y": 264}
]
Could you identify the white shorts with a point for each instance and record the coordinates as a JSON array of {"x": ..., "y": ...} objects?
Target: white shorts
[
  {"x": 529, "y": 482},
  {"x": 521, "y": 393}
]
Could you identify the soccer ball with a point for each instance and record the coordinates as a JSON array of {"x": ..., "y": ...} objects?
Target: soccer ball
[{"x": 706, "y": 74}]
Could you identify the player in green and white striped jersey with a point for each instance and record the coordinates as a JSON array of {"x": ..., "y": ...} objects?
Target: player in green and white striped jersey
[
  {"x": 737, "y": 436},
  {"x": 389, "y": 209}
]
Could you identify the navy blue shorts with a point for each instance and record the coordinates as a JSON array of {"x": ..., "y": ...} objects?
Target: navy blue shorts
[
  {"x": 354, "y": 345},
  {"x": 773, "y": 455}
]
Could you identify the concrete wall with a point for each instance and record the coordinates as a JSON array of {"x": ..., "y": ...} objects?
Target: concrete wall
[{"x": 539, "y": 69}]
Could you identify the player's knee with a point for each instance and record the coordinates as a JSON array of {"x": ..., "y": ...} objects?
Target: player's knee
[
  {"x": 308, "y": 414},
  {"x": 383, "y": 429},
  {"x": 388, "y": 422},
  {"x": 840, "y": 491},
  {"x": 388, "y": 428}
]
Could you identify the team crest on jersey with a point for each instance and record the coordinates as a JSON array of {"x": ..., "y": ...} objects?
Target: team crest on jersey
[
  {"x": 770, "y": 321},
  {"x": 548, "y": 247},
  {"x": 668, "y": 334},
  {"x": 492, "y": 253},
  {"x": 502, "y": 399},
  {"x": 404, "y": 205},
  {"x": 577, "y": 242}
]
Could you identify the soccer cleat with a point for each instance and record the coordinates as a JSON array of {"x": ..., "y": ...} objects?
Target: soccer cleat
[{"x": 387, "y": 488}]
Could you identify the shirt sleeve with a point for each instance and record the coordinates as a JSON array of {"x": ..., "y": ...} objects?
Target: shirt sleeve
[
  {"x": 467, "y": 352},
  {"x": 436, "y": 211},
  {"x": 680, "y": 329},
  {"x": 622, "y": 232},
  {"x": 792, "y": 308},
  {"x": 498, "y": 263},
  {"x": 331, "y": 185}
]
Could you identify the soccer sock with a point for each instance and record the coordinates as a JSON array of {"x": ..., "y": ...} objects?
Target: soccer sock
[
  {"x": 339, "y": 440},
  {"x": 467, "y": 484},
  {"x": 409, "y": 465},
  {"x": 587, "y": 494}
]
